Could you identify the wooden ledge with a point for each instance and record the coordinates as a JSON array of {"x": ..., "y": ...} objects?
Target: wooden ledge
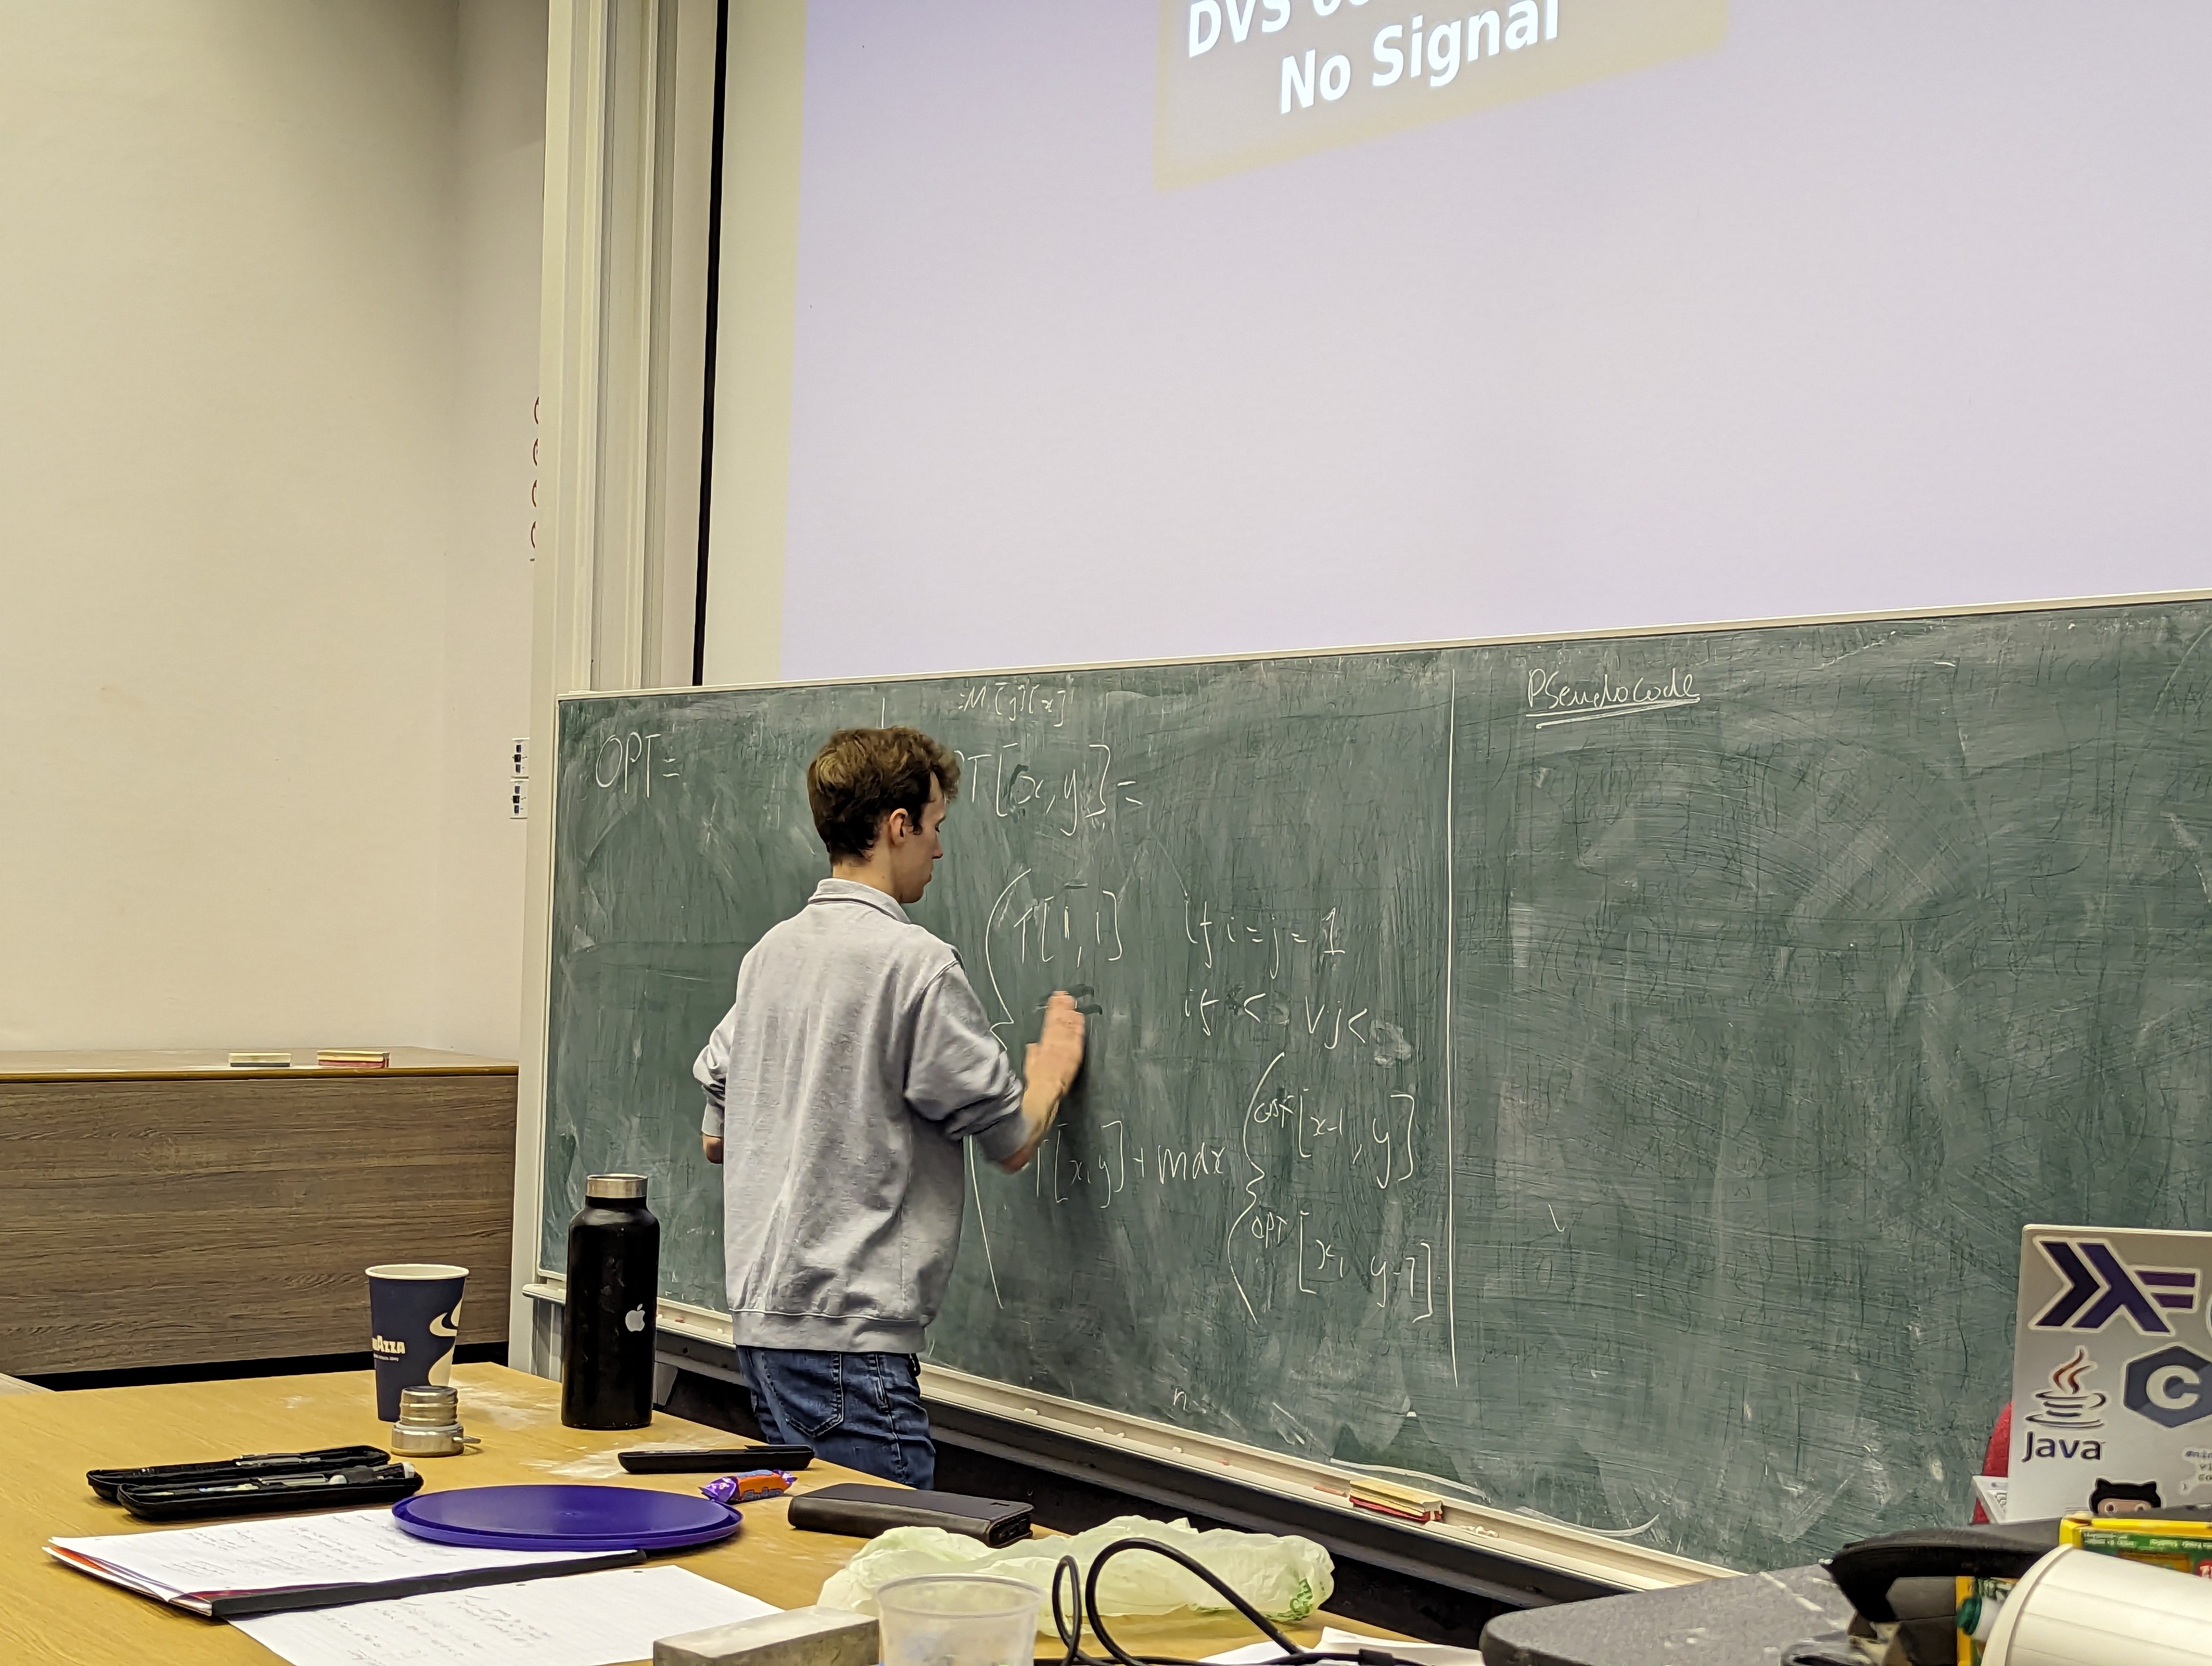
[{"x": 193, "y": 1064}]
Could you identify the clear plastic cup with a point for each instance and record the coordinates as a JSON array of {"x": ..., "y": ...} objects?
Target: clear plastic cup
[{"x": 954, "y": 1619}]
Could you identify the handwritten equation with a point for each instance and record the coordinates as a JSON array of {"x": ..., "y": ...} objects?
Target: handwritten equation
[
  {"x": 1060, "y": 789},
  {"x": 632, "y": 760},
  {"x": 1265, "y": 1107},
  {"x": 1330, "y": 1114}
]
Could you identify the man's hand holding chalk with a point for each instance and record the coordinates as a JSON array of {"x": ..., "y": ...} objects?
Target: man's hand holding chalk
[{"x": 1048, "y": 1070}]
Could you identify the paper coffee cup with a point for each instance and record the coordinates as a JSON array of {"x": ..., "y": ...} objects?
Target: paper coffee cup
[{"x": 414, "y": 1317}]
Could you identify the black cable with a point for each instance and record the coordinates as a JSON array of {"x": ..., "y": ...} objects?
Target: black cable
[
  {"x": 714, "y": 337},
  {"x": 1069, "y": 1623},
  {"x": 1084, "y": 1599},
  {"x": 1071, "y": 1635},
  {"x": 1266, "y": 1627}
]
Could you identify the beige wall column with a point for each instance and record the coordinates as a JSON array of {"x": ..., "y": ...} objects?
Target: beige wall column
[{"x": 628, "y": 120}]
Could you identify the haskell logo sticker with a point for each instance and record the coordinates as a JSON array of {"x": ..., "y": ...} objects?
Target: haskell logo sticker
[{"x": 2101, "y": 1286}]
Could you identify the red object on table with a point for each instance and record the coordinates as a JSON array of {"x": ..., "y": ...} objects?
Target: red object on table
[{"x": 1997, "y": 1459}]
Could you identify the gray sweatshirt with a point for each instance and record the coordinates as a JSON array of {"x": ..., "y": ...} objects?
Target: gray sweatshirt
[{"x": 855, "y": 1061}]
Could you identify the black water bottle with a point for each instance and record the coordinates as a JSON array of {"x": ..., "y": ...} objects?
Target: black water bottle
[{"x": 606, "y": 1333}]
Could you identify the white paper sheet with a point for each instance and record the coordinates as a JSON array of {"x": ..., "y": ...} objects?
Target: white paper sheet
[
  {"x": 266, "y": 1552},
  {"x": 1252, "y": 1654},
  {"x": 1428, "y": 1654},
  {"x": 579, "y": 1620}
]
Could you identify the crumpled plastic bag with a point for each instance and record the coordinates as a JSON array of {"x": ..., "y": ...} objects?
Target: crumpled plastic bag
[{"x": 1286, "y": 1578}]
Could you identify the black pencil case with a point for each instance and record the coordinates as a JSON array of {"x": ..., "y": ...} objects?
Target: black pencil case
[
  {"x": 328, "y": 1461},
  {"x": 865, "y": 1511},
  {"x": 271, "y": 1495}
]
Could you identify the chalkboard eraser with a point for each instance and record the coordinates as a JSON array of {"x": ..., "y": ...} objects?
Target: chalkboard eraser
[
  {"x": 1406, "y": 1503},
  {"x": 353, "y": 1058},
  {"x": 264, "y": 1061}
]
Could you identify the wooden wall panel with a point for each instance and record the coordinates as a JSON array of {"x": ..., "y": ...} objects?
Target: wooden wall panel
[{"x": 195, "y": 1220}]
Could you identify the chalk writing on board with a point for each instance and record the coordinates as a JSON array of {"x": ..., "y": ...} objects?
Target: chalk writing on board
[
  {"x": 1554, "y": 698},
  {"x": 1010, "y": 699},
  {"x": 633, "y": 760},
  {"x": 1066, "y": 790}
]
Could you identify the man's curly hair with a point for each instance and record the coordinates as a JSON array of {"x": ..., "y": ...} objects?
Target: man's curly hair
[{"x": 861, "y": 775}]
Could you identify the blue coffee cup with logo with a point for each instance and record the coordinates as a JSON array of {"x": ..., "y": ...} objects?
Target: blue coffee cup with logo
[{"x": 414, "y": 1319}]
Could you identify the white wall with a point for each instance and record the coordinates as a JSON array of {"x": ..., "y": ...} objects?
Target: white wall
[
  {"x": 270, "y": 301},
  {"x": 502, "y": 167}
]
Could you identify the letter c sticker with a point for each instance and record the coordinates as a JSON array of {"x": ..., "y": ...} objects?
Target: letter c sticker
[{"x": 2166, "y": 1388}]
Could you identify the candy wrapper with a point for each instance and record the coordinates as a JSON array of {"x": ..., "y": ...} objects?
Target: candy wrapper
[{"x": 753, "y": 1484}]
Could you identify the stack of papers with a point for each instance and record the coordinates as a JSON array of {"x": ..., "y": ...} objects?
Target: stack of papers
[
  {"x": 583, "y": 1620},
  {"x": 576, "y": 1620},
  {"x": 190, "y": 1567}
]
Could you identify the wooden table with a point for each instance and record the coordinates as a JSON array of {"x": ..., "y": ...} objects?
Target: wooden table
[
  {"x": 165, "y": 1209},
  {"x": 50, "y": 1613}
]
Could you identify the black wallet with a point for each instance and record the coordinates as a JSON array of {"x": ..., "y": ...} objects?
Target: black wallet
[
  {"x": 864, "y": 1511},
  {"x": 327, "y": 1462}
]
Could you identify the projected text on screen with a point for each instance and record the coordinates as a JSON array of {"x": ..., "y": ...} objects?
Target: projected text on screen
[{"x": 1247, "y": 82}]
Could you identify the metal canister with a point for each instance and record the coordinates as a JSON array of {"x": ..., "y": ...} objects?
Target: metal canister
[{"x": 429, "y": 1423}]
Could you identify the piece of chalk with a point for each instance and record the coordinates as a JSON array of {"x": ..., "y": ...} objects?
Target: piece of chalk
[
  {"x": 1387, "y": 1499},
  {"x": 264, "y": 1061},
  {"x": 353, "y": 1058}
]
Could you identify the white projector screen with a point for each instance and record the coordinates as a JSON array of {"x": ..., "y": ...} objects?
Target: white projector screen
[{"x": 1087, "y": 345}]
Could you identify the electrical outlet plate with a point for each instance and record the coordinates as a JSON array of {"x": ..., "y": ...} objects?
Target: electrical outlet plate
[
  {"x": 520, "y": 756},
  {"x": 518, "y": 800}
]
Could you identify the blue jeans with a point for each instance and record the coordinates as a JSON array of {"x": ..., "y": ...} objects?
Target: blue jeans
[{"x": 862, "y": 1410}]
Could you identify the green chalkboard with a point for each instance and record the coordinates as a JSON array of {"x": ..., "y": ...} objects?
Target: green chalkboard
[{"x": 1607, "y": 1076}]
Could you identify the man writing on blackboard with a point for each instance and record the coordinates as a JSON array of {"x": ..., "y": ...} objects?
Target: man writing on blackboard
[{"x": 840, "y": 1088}]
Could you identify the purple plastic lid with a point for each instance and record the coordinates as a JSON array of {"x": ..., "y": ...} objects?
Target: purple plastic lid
[{"x": 560, "y": 1517}]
